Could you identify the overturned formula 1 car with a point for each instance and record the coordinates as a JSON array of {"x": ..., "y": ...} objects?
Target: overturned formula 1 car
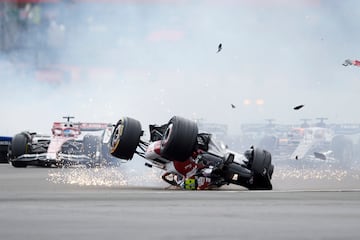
[
  {"x": 71, "y": 143},
  {"x": 191, "y": 160}
]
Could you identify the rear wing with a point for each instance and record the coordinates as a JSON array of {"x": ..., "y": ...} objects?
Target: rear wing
[
  {"x": 81, "y": 126},
  {"x": 94, "y": 126}
]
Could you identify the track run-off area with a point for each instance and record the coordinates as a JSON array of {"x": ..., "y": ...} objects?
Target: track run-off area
[{"x": 126, "y": 203}]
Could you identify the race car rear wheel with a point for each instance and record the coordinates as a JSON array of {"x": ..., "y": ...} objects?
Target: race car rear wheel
[
  {"x": 179, "y": 139},
  {"x": 125, "y": 138}
]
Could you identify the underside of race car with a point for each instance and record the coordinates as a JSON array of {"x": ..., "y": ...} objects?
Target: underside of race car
[{"x": 191, "y": 160}]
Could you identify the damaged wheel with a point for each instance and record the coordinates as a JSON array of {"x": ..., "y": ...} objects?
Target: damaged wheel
[
  {"x": 179, "y": 139},
  {"x": 125, "y": 138},
  {"x": 259, "y": 161}
]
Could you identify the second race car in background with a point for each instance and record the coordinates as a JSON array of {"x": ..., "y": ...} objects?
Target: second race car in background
[
  {"x": 71, "y": 143},
  {"x": 4, "y": 148},
  {"x": 314, "y": 144}
]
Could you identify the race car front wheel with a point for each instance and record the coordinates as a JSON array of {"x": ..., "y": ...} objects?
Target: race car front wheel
[
  {"x": 20, "y": 145},
  {"x": 125, "y": 138},
  {"x": 179, "y": 139}
]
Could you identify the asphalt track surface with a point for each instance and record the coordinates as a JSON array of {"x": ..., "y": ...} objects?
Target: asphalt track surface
[{"x": 34, "y": 206}]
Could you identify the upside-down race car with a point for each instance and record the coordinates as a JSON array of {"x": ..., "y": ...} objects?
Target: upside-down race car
[
  {"x": 191, "y": 160},
  {"x": 70, "y": 144}
]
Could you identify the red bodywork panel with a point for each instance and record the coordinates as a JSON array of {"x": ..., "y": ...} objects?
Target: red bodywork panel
[{"x": 356, "y": 63}]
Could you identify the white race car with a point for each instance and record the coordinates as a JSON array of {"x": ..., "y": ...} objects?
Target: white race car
[
  {"x": 189, "y": 159},
  {"x": 71, "y": 143}
]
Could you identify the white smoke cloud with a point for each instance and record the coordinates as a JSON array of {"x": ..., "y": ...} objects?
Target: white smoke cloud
[{"x": 152, "y": 61}]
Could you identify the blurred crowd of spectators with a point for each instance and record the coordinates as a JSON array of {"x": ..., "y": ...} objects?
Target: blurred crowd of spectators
[{"x": 28, "y": 30}]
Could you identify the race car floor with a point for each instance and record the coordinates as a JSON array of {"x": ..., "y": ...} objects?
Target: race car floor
[{"x": 34, "y": 206}]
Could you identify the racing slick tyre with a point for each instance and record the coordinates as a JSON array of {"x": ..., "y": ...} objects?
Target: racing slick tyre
[
  {"x": 260, "y": 161},
  {"x": 271, "y": 170},
  {"x": 19, "y": 146},
  {"x": 179, "y": 139},
  {"x": 259, "y": 182},
  {"x": 125, "y": 138},
  {"x": 262, "y": 169},
  {"x": 342, "y": 148}
]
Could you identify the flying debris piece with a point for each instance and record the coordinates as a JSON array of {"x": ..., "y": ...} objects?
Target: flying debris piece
[
  {"x": 233, "y": 106},
  {"x": 219, "y": 48},
  {"x": 349, "y": 62},
  {"x": 296, "y": 157},
  {"x": 356, "y": 63},
  {"x": 320, "y": 155},
  {"x": 298, "y": 107}
]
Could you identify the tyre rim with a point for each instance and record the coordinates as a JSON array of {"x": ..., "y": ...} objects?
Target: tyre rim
[
  {"x": 167, "y": 134},
  {"x": 116, "y": 137}
]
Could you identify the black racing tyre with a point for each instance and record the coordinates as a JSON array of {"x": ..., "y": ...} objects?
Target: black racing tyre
[
  {"x": 125, "y": 138},
  {"x": 106, "y": 158},
  {"x": 342, "y": 148},
  {"x": 91, "y": 144},
  {"x": 260, "y": 182},
  {"x": 20, "y": 144},
  {"x": 179, "y": 139},
  {"x": 271, "y": 170},
  {"x": 19, "y": 164},
  {"x": 260, "y": 165},
  {"x": 260, "y": 162}
]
